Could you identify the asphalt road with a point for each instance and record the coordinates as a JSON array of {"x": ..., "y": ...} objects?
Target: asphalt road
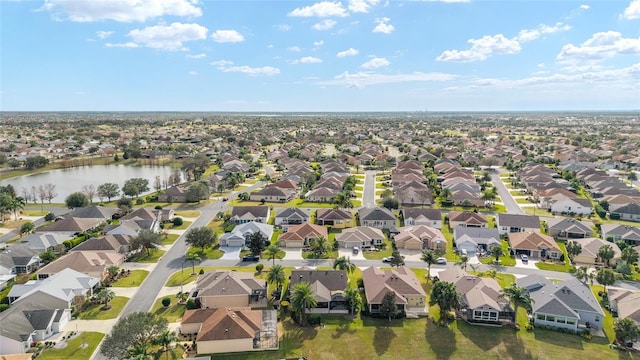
[
  {"x": 56, "y": 210},
  {"x": 508, "y": 200},
  {"x": 369, "y": 190}
]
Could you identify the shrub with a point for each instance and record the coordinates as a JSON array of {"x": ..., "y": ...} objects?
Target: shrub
[
  {"x": 166, "y": 302},
  {"x": 177, "y": 221},
  {"x": 50, "y": 216},
  {"x": 259, "y": 268},
  {"x": 201, "y": 272},
  {"x": 139, "y": 201},
  {"x": 3, "y": 307},
  {"x": 315, "y": 319},
  {"x": 191, "y": 304},
  {"x": 158, "y": 207}
]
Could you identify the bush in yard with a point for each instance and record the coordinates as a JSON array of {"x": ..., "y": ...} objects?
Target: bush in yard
[
  {"x": 201, "y": 272},
  {"x": 259, "y": 268},
  {"x": 191, "y": 304},
  {"x": 158, "y": 207},
  {"x": 166, "y": 302},
  {"x": 177, "y": 221},
  {"x": 50, "y": 217},
  {"x": 315, "y": 319}
]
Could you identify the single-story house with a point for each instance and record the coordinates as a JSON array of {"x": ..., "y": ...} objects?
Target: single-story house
[
  {"x": 274, "y": 193},
  {"x": 567, "y": 228},
  {"x": 70, "y": 226},
  {"x": 300, "y": 236},
  {"x": 174, "y": 194},
  {"x": 513, "y": 223},
  {"x": 291, "y": 216},
  {"x": 473, "y": 239},
  {"x": 360, "y": 236},
  {"x": 92, "y": 263},
  {"x": 589, "y": 253},
  {"x": 572, "y": 206},
  {"x": 625, "y": 303},
  {"x": 381, "y": 218},
  {"x": 93, "y": 212},
  {"x": 410, "y": 296},
  {"x": 224, "y": 288},
  {"x": 630, "y": 212},
  {"x": 416, "y": 216},
  {"x": 533, "y": 282},
  {"x": 245, "y": 214},
  {"x": 41, "y": 242},
  {"x": 237, "y": 329},
  {"x": 18, "y": 259},
  {"x": 480, "y": 299},
  {"x": 240, "y": 234},
  {"x": 618, "y": 232},
  {"x": 120, "y": 244},
  {"x": 467, "y": 219},
  {"x": 60, "y": 290},
  {"x": 535, "y": 245},
  {"x": 420, "y": 237},
  {"x": 569, "y": 304},
  {"x": 328, "y": 288},
  {"x": 335, "y": 218}
]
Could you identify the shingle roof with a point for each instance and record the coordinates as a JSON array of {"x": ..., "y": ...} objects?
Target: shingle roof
[
  {"x": 401, "y": 281},
  {"x": 431, "y": 214},
  {"x": 565, "y": 299},
  {"x": 522, "y": 221},
  {"x": 225, "y": 282},
  {"x": 532, "y": 241},
  {"x": 225, "y": 323},
  {"x": 333, "y": 214},
  {"x": 376, "y": 213}
]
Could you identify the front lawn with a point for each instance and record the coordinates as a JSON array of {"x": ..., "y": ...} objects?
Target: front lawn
[
  {"x": 172, "y": 313},
  {"x": 184, "y": 276},
  {"x": 96, "y": 313},
  {"x": 378, "y": 255},
  {"x": 311, "y": 255},
  {"x": 556, "y": 265},
  {"x": 134, "y": 279},
  {"x": 152, "y": 256},
  {"x": 168, "y": 239},
  {"x": 74, "y": 349},
  {"x": 607, "y": 323},
  {"x": 209, "y": 253},
  {"x": 187, "y": 213},
  {"x": 184, "y": 226},
  {"x": 505, "y": 259}
]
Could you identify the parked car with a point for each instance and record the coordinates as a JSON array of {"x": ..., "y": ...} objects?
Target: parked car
[
  {"x": 225, "y": 198},
  {"x": 386, "y": 259},
  {"x": 441, "y": 261},
  {"x": 524, "y": 258},
  {"x": 355, "y": 250},
  {"x": 251, "y": 258}
]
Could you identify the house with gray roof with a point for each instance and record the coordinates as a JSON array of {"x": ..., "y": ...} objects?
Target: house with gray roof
[
  {"x": 416, "y": 216},
  {"x": 117, "y": 243},
  {"x": 377, "y": 217},
  {"x": 70, "y": 226},
  {"x": 240, "y": 234},
  {"x": 245, "y": 214},
  {"x": 475, "y": 240},
  {"x": 92, "y": 212},
  {"x": 41, "y": 242},
  {"x": 568, "y": 228},
  {"x": 513, "y": 223},
  {"x": 625, "y": 303},
  {"x": 630, "y": 212},
  {"x": 327, "y": 286},
  {"x": 291, "y": 216},
  {"x": 224, "y": 288},
  {"x": 61, "y": 290},
  {"x": 618, "y": 232},
  {"x": 18, "y": 259},
  {"x": 569, "y": 305},
  {"x": 533, "y": 282}
]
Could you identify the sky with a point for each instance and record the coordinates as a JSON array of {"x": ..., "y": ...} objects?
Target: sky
[{"x": 299, "y": 56}]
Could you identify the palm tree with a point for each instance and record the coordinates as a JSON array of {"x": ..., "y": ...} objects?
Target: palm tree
[
  {"x": 193, "y": 257},
  {"x": 344, "y": 263},
  {"x": 463, "y": 261},
  {"x": 302, "y": 299},
  {"x": 138, "y": 352},
  {"x": 496, "y": 251},
  {"x": 582, "y": 273},
  {"x": 113, "y": 271},
  {"x": 629, "y": 255},
  {"x": 16, "y": 205},
  {"x": 445, "y": 295},
  {"x": 164, "y": 340},
  {"x": 276, "y": 275},
  {"x": 273, "y": 250},
  {"x": 320, "y": 246},
  {"x": 518, "y": 296},
  {"x": 352, "y": 295},
  {"x": 606, "y": 253},
  {"x": 105, "y": 295},
  {"x": 445, "y": 193},
  {"x": 429, "y": 256}
]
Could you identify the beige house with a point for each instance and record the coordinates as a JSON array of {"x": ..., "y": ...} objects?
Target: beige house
[
  {"x": 92, "y": 263},
  {"x": 224, "y": 288},
  {"x": 625, "y": 302},
  {"x": 410, "y": 296},
  {"x": 300, "y": 235},
  {"x": 589, "y": 253},
  {"x": 467, "y": 219},
  {"x": 227, "y": 330},
  {"x": 420, "y": 237},
  {"x": 535, "y": 245}
]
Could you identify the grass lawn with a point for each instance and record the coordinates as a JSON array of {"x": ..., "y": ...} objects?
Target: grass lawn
[
  {"x": 556, "y": 266},
  {"x": 132, "y": 280},
  {"x": 381, "y": 185},
  {"x": 237, "y": 202},
  {"x": 309, "y": 204},
  {"x": 378, "y": 255},
  {"x": 188, "y": 213},
  {"x": 358, "y": 188},
  {"x": 73, "y": 350},
  {"x": 184, "y": 277},
  {"x": 34, "y": 212},
  {"x": 172, "y": 313},
  {"x": 184, "y": 226},
  {"x": 505, "y": 259},
  {"x": 209, "y": 253},
  {"x": 516, "y": 192},
  {"x": 169, "y": 239},
  {"x": 368, "y": 338},
  {"x": 96, "y": 312},
  {"x": 448, "y": 234},
  {"x": 607, "y": 323},
  {"x": 151, "y": 257},
  {"x": 523, "y": 201},
  {"x": 329, "y": 255},
  {"x": 279, "y": 255}
]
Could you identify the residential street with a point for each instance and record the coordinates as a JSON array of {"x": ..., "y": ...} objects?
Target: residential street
[
  {"x": 508, "y": 201},
  {"x": 369, "y": 191}
]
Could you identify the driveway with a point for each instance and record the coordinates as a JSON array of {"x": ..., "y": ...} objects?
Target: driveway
[
  {"x": 293, "y": 254},
  {"x": 531, "y": 264},
  {"x": 349, "y": 253},
  {"x": 411, "y": 255},
  {"x": 231, "y": 253}
]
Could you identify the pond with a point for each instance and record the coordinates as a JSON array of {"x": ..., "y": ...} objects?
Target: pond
[{"x": 71, "y": 180}]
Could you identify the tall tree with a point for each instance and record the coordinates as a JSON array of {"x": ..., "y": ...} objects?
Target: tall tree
[
  {"x": 135, "y": 186},
  {"x": 625, "y": 329},
  {"x": 344, "y": 263},
  {"x": 605, "y": 277},
  {"x": 50, "y": 192},
  {"x": 302, "y": 299},
  {"x": 76, "y": 200},
  {"x": 164, "y": 340},
  {"x": 26, "y": 228},
  {"x": 272, "y": 251},
  {"x": 518, "y": 296},
  {"x": 629, "y": 255},
  {"x": 463, "y": 261},
  {"x": 202, "y": 237},
  {"x": 429, "y": 256},
  {"x": 396, "y": 259},
  {"x": 108, "y": 190},
  {"x": 444, "y": 295},
  {"x": 496, "y": 251},
  {"x": 105, "y": 295},
  {"x": 354, "y": 300},
  {"x": 606, "y": 253},
  {"x": 581, "y": 273},
  {"x": 17, "y": 203},
  {"x": 319, "y": 246},
  {"x": 147, "y": 240},
  {"x": 388, "y": 307},
  {"x": 276, "y": 275},
  {"x": 256, "y": 242},
  {"x": 138, "y": 328},
  {"x": 192, "y": 257},
  {"x": 90, "y": 191},
  {"x": 573, "y": 249}
]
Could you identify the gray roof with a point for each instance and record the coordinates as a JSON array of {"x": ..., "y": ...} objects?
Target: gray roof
[
  {"x": 565, "y": 299},
  {"x": 475, "y": 233},
  {"x": 42, "y": 241},
  {"x": 533, "y": 282},
  {"x": 632, "y": 208},
  {"x": 293, "y": 212},
  {"x": 16, "y": 323},
  {"x": 431, "y": 214},
  {"x": 568, "y": 224},
  {"x": 256, "y": 211},
  {"x": 376, "y": 213},
  {"x": 17, "y": 255},
  {"x": 522, "y": 221},
  {"x": 92, "y": 212}
]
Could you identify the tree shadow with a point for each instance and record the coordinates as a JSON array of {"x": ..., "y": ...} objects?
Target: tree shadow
[
  {"x": 343, "y": 327},
  {"x": 441, "y": 339},
  {"x": 559, "y": 339},
  {"x": 484, "y": 337},
  {"x": 382, "y": 338},
  {"x": 514, "y": 348},
  {"x": 294, "y": 336}
]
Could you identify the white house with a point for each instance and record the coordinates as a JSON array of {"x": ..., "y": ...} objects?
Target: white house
[
  {"x": 239, "y": 234},
  {"x": 575, "y": 206}
]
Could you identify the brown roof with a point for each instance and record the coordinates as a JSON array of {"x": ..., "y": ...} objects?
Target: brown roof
[
  {"x": 225, "y": 323},
  {"x": 225, "y": 282},
  {"x": 333, "y": 214},
  {"x": 71, "y": 224},
  {"x": 83, "y": 261},
  {"x": 324, "y": 282},
  {"x": 532, "y": 241},
  {"x": 401, "y": 281},
  {"x": 468, "y": 217},
  {"x": 304, "y": 231}
]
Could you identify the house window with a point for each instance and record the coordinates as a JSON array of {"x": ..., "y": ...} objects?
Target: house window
[
  {"x": 571, "y": 321},
  {"x": 551, "y": 318}
]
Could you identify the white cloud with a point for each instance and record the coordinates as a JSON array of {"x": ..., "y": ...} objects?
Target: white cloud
[
  {"x": 221, "y": 63},
  {"x": 348, "y": 52},
  {"x": 585, "y": 7},
  {"x": 632, "y": 11},
  {"x": 227, "y": 36},
  {"x": 104, "y": 34},
  {"x": 294, "y": 48},
  {"x": 307, "y": 60},
  {"x": 375, "y": 63},
  {"x": 382, "y": 26},
  {"x": 252, "y": 71},
  {"x": 362, "y": 79},
  {"x": 283, "y": 27},
  {"x": 362, "y": 6},
  {"x": 193, "y": 73},
  {"x": 600, "y": 46},
  {"x": 120, "y": 10},
  {"x": 446, "y": 1},
  {"x": 321, "y": 9},
  {"x": 318, "y": 43},
  {"x": 542, "y": 29},
  {"x": 168, "y": 37},
  {"x": 196, "y": 56},
  {"x": 482, "y": 48},
  {"x": 326, "y": 24},
  {"x": 121, "y": 45}
]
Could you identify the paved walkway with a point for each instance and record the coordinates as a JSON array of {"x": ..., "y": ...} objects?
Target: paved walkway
[{"x": 125, "y": 291}]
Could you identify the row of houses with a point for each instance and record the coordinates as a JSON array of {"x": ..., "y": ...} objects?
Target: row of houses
[
  {"x": 409, "y": 184},
  {"x": 331, "y": 182},
  {"x": 460, "y": 182}
]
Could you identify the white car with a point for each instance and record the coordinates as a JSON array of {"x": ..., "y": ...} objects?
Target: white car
[{"x": 441, "y": 261}]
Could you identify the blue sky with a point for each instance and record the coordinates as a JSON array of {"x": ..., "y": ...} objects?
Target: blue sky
[{"x": 351, "y": 55}]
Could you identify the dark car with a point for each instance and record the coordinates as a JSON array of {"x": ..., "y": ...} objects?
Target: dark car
[{"x": 251, "y": 258}]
